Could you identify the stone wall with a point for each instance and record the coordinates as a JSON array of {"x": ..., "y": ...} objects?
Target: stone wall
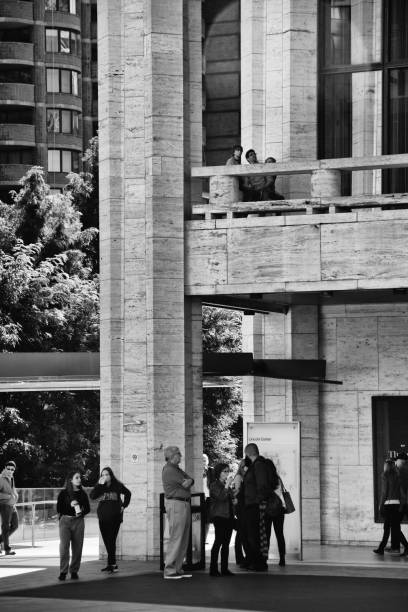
[{"x": 365, "y": 346}]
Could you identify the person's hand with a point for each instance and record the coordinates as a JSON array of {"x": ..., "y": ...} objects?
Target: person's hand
[
  {"x": 74, "y": 503},
  {"x": 101, "y": 481},
  {"x": 187, "y": 482}
]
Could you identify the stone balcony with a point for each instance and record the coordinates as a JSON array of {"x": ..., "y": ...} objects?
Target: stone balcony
[
  {"x": 17, "y": 94},
  {"x": 10, "y": 174},
  {"x": 324, "y": 243},
  {"x": 17, "y": 134},
  {"x": 60, "y": 19},
  {"x": 17, "y": 53},
  {"x": 16, "y": 11}
]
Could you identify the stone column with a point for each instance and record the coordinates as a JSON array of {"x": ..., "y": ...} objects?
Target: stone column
[
  {"x": 325, "y": 183},
  {"x": 142, "y": 156}
]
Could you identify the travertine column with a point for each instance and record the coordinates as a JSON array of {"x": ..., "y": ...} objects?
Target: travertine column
[{"x": 143, "y": 155}]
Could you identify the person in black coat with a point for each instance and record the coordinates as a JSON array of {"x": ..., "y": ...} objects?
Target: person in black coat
[
  {"x": 72, "y": 506},
  {"x": 109, "y": 491}
]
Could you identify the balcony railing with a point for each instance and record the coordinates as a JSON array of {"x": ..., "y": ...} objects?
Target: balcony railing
[
  {"x": 225, "y": 197},
  {"x": 16, "y": 53},
  {"x": 17, "y": 93},
  {"x": 10, "y": 174},
  {"x": 16, "y": 10},
  {"x": 17, "y": 134}
]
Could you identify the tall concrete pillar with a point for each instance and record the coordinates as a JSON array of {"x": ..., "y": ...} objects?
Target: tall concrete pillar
[{"x": 143, "y": 317}]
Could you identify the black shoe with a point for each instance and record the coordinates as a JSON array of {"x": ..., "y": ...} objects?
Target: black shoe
[
  {"x": 10, "y": 552},
  {"x": 106, "y": 569},
  {"x": 215, "y": 573},
  {"x": 114, "y": 568},
  {"x": 227, "y": 573},
  {"x": 378, "y": 551},
  {"x": 74, "y": 576},
  {"x": 282, "y": 562},
  {"x": 62, "y": 577}
]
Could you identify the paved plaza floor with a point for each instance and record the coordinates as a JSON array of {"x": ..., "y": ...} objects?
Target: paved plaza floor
[{"x": 329, "y": 579}]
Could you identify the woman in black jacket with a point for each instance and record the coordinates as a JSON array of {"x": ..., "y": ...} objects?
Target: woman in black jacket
[
  {"x": 72, "y": 506},
  {"x": 221, "y": 514},
  {"x": 110, "y": 512},
  {"x": 390, "y": 503}
]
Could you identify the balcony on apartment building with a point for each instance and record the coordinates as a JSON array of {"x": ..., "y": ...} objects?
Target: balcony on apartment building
[
  {"x": 322, "y": 243},
  {"x": 16, "y": 11},
  {"x": 16, "y": 53}
]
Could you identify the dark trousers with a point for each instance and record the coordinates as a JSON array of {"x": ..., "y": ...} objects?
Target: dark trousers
[
  {"x": 9, "y": 524},
  {"x": 241, "y": 546},
  {"x": 109, "y": 532},
  {"x": 403, "y": 539},
  {"x": 223, "y": 532},
  {"x": 277, "y": 522},
  {"x": 254, "y": 557},
  {"x": 391, "y": 523},
  {"x": 71, "y": 532}
]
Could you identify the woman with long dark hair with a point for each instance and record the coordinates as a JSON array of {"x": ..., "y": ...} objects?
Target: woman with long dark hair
[
  {"x": 221, "y": 514},
  {"x": 391, "y": 497},
  {"x": 72, "y": 506},
  {"x": 109, "y": 491}
]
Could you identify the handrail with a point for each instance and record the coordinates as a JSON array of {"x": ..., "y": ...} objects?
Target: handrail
[
  {"x": 307, "y": 166},
  {"x": 33, "y": 504}
]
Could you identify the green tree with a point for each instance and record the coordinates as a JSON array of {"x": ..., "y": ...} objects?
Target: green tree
[{"x": 222, "y": 416}]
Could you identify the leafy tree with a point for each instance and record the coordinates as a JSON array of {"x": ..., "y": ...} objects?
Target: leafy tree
[{"x": 222, "y": 405}]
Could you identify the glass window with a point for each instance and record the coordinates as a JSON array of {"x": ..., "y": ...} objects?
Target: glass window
[
  {"x": 52, "y": 79},
  {"x": 398, "y": 33},
  {"x": 74, "y": 83},
  {"x": 72, "y": 7},
  {"x": 75, "y": 123},
  {"x": 66, "y": 161},
  {"x": 63, "y": 5},
  {"x": 54, "y": 161},
  {"x": 53, "y": 122},
  {"x": 51, "y": 5},
  {"x": 75, "y": 161},
  {"x": 65, "y": 46},
  {"x": 51, "y": 40},
  {"x": 65, "y": 81},
  {"x": 66, "y": 122}
]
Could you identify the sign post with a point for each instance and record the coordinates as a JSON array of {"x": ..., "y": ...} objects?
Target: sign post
[{"x": 281, "y": 443}]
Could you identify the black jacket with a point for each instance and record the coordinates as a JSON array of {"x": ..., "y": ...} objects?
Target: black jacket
[
  {"x": 256, "y": 483},
  {"x": 110, "y": 502},
  {"x": 64, "y": 502},
  {"x": 220, "y": 501}
]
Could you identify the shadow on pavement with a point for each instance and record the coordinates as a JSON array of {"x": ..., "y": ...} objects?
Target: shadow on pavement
[{"x": 260, "y": 592}]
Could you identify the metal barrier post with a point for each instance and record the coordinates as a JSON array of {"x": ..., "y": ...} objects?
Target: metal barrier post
[{"x": 32, "y": 524}]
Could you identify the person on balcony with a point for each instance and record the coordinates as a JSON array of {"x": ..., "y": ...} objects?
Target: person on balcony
[
  {"x": 72, "y": 506},
  {"x": 252, "y": 186},
  {"x": 235, "y": 159},
  {"x": 109, "y": 492},
  {"x": 177, "y": 492},
  {"x": 269, "y": 192},
  {"x": 8, "y": 512}
]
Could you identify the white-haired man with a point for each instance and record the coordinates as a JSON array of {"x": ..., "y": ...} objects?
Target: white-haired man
[{"x": 176, "y": 485}]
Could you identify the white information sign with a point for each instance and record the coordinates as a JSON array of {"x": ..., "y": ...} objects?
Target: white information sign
[{"x": 281, "y": 443}]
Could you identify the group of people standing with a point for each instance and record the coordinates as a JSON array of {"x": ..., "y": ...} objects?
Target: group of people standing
[
  {"x": 251, "y": 501},
  {"x": 254, "y": 188},
  {"x": 394, "y": 504}
]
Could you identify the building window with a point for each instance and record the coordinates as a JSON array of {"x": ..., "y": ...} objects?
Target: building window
[
  {"x": 64, "y": 6},
  {"x": 62, "y": 160},
  {"x": 60, "y": 80},
  {"x": 363, "y": 92},
  {"x": 62, "y": 121},
  {"x": 62, "y": 41},
  {"x": 390, "y": 436}
]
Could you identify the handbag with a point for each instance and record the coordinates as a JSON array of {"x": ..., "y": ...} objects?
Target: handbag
[
  {"x": 273, "y": 506},
  {"x": 290, "y": 506}
]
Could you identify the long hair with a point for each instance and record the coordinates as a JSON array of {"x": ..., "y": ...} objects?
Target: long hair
[
  {"x": 68, "y": 482},
  {"x": 114, "y": 480}
]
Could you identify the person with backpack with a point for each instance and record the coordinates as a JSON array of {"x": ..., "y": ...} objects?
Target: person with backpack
[{"x": 258, "y": 491}]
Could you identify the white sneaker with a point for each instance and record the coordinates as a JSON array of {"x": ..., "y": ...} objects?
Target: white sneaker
[
  {"x": 185, "y": 575},
  {"x": 172, "y": 577}
]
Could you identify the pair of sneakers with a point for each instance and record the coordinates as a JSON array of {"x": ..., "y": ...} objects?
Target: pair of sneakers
[{"x": 177, "y": 576}]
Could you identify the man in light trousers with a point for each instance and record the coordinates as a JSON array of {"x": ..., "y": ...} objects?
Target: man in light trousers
[{"x": 176, "y": 486}]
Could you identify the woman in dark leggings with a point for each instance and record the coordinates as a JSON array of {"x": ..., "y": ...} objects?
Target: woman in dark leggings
[
  {"x": 391, "y": 499},
  {"x": 109, "y": 491},
  {"x": 221, "y": 515}
]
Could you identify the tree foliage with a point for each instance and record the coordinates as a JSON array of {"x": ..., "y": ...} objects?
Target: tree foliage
[{"x": 222, "y": 405}]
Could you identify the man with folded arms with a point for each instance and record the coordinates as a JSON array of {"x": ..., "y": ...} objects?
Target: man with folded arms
[{"x": 176, "y": 485}]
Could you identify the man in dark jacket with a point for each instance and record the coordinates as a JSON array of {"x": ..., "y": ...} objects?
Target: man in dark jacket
[
  {"x": 256, "y": 493},
  {"x": 8, "y": 512}
]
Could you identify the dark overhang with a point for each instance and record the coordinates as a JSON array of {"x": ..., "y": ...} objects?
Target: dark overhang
[
  {"x": 244, "y": 364},
  {"x": 247, "y": 305}
]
